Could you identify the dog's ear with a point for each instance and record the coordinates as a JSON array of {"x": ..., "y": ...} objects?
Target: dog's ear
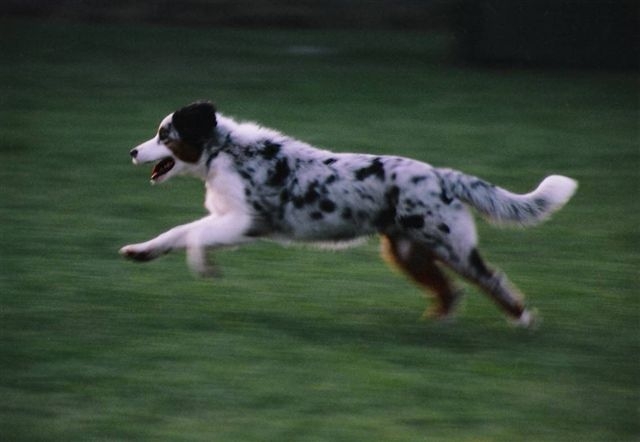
[{"x": 196, "y": 122}]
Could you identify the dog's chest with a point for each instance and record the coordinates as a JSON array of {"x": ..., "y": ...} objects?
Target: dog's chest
[{"x": 224, "y": 188}]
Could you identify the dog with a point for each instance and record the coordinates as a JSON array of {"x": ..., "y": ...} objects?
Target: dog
[{"x": 261, "y": 183}]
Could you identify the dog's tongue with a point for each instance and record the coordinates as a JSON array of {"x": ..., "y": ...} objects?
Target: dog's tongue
[{"x": 162, "y": 167}]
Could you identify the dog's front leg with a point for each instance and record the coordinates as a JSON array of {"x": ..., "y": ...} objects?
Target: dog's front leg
[
  {"x": 212, "y": 231},
  {"x": 224, "y": 231},
  {"x": 161, "y": 244}
]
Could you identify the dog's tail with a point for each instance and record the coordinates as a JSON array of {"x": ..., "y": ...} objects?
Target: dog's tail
[{"x": 503, "y": 207}]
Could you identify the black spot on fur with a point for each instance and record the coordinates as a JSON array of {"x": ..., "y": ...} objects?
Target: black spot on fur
[
  {"x": 329, "y": 161},
  {"x": 375, "y": 169},
  {"x": 391, "y": 195},
  {"x": 247, "y": 176},
  {"x": 409, "y": 203},
  {"x": 298, "y": 202},
  {"x": 327, "y": 206},
  {"x": 316, "y": 215},
  {"x": 540, "y": 203},
  {"x": 387, "y": 217},
  {"x": 417, "y": 179},
  {"x": 331, "y": 179},
  {"x": 445, "y": 198},
  {"x": 479, "y": 183},
  {"x": 311, "y": 195},
  {"x": 347, "y": 213},
  {"x": 270, "y": 150},
  {"x": 365, "y": 196},
  {"x": 280, "y": 173},
  {"x": 412, "y": 221},
  {"x": 444, "y": 228},
  {"x": 476, "y": 261}
]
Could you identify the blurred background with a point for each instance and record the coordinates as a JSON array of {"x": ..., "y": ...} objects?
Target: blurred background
[
  {"x": 593, "y": 33},
  {"x": 294, "y": 343}
]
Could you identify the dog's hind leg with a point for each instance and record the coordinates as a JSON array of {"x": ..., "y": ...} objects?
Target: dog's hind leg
[
  {"x": 494, "y": 283},
  {"x": 420, "y": 265}
]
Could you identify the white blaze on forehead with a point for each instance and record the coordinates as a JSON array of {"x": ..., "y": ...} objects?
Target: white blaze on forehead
[{"x": 166, "y": 121}]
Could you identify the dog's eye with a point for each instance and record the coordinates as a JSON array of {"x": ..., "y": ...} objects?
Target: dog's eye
[{"x": 163, "y": 133}]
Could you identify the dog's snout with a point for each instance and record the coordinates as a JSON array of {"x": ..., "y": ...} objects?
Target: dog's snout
[{"x": 134, "y": 153}]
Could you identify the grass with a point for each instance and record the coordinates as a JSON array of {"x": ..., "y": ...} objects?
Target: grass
[{"x": 293, "y": 343}]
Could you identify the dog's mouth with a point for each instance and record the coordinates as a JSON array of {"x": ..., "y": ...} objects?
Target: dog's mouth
[{"x": 162, "y": 168}]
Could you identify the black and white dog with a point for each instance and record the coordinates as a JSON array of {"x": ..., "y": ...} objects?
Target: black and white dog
[{"x": 263, "y": 184}]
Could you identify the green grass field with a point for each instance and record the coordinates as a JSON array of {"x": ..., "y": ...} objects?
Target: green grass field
[{"x": 295, "y": 343}]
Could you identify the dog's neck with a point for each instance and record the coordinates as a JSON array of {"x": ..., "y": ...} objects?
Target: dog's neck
[
  {"x": 232, "y": 133},
  {"x": 219, "y": 142},
  {"x": 223, "y": 131}
]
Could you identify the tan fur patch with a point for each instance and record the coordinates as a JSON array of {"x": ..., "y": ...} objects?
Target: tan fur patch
[{"x": 184, "y": 151}]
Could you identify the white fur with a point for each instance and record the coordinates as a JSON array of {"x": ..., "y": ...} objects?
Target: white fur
[{"x": 556, "y": 189}]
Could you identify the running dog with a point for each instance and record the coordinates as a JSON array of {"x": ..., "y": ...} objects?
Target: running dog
[{"x": 263, "y": 184}]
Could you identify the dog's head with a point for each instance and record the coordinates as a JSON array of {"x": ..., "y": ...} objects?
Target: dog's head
[{"x": 180, "y": 142}]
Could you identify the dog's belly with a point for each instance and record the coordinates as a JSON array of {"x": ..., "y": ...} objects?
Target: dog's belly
[{"x": 327, "y": 229}]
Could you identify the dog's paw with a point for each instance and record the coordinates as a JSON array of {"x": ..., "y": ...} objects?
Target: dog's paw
[
  {"x": 138, "y": 252},
  {"x": 208, "y": 271},
  {"x": 200, "y": 264},
  {"x": 529, "y": 319}
]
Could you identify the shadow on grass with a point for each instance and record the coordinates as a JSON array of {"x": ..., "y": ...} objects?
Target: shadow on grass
[{"x": 382, "y": 328}]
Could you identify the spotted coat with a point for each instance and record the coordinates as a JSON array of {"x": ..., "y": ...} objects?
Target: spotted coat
[{"x": 263, "y": 184}]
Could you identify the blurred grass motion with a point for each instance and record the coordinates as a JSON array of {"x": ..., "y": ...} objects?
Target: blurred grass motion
[{"x": 295, "y": 343}]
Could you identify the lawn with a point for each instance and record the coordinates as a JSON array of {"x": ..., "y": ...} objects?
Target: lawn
[{"x": 293, "y": 343}]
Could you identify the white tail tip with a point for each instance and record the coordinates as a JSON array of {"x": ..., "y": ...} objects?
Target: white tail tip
[{"x": 557, "y": 190}]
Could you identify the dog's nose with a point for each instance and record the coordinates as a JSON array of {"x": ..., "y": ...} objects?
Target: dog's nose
[{"x": 133, "y": 153}]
